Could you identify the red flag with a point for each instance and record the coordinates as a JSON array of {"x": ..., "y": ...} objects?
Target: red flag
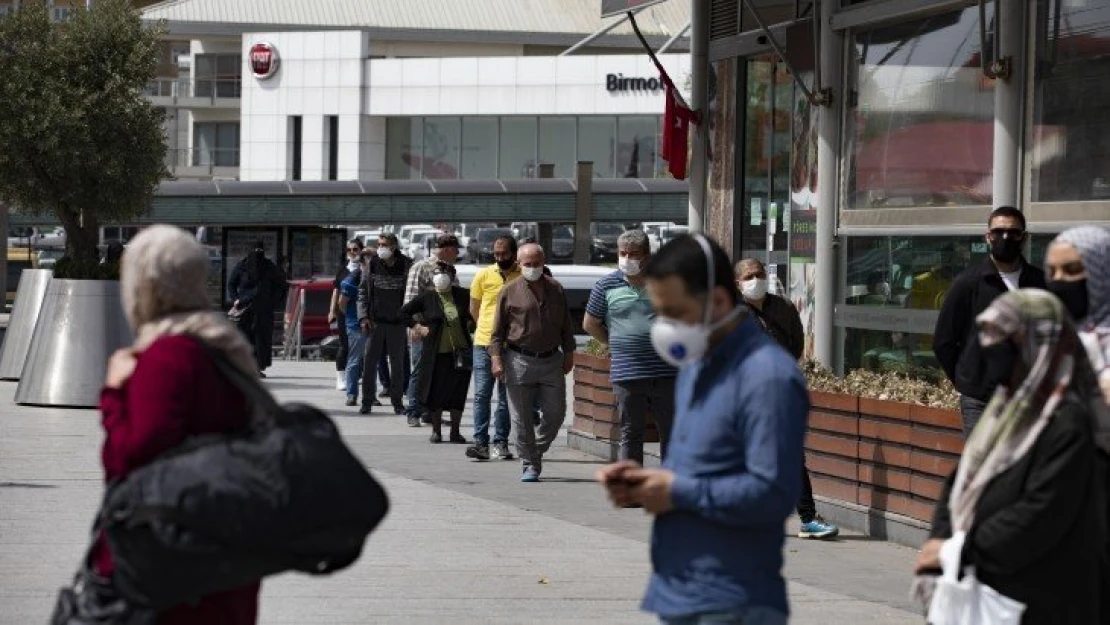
[{"x": 676, "y": 132}]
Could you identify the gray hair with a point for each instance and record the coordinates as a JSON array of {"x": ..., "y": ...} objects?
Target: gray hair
[{"x": 634, "y": 239}]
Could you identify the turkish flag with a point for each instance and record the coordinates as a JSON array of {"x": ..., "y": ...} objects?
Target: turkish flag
[{"x": 676, "y": 132}]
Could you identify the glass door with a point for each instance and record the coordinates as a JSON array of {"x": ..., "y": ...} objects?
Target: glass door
[{"x": 762, "y": 231}]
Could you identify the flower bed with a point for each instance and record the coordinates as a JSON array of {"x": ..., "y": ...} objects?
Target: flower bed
[{"x": 595, "y": 406}]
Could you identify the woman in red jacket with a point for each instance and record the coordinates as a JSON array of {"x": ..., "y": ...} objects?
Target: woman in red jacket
[{"x": 164, "y": 388}]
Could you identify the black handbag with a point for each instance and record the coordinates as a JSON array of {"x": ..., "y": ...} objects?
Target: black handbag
[
  {"x": 93, "y": 600},
  {"x": 464, "y": 359},
  {"x": 225, "y": 511}
]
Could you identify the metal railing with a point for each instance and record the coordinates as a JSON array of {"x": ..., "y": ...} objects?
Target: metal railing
[
  {"x": 210, "y": 159},
  {"x": 212, "y": 88}
]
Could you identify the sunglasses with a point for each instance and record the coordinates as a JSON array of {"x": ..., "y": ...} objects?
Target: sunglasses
[{"x": 1013, "y": 233}]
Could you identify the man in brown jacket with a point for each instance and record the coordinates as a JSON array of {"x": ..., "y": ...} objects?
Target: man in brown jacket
[{"x": 532, "y": 351}]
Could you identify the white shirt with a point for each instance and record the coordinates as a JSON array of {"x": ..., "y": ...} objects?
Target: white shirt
[{"x": 1011, "y": 279}]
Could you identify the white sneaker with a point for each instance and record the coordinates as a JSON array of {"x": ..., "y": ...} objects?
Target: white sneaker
[{"x": 340, "y": 381}]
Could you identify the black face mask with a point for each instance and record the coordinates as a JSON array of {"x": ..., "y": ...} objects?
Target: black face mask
[
  {"x": 506, "y": 265},
  {"x": 1074, "y": 296},
  {"x": 1005, "y": 250},
  {"x": 1000, "y": 360}
]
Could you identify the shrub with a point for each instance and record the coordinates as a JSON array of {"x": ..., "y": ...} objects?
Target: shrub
[{"x": 892, "y": 386}]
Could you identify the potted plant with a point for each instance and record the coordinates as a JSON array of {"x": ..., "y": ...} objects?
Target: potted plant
[
  {"x": 81, "y": 144},
  {"x": 595, "y": 428}
]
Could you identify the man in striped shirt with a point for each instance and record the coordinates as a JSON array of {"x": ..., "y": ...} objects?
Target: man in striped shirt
[{"x": 619, "y": 314}]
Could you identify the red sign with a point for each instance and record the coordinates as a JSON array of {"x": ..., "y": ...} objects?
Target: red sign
[{"x": 263, "y": 60}]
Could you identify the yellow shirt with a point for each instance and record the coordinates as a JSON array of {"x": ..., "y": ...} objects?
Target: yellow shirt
[{"x": 485, "y": 288}]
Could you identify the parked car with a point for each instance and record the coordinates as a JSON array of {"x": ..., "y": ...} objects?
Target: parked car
[
  {"x": 317, "y": 300},
  {"x": 465, "y": 232},
  {"x": 19, "y": 258},
  {"x": 481, "y": 245},
  {"x": 653, "y": 230},
  {"x": 668, "y": 234},
  {"x": 421, "y": 243},
  {"x": 37, "y": 238},
  {"x": 603, "y": 242},
  {"x": 404, "y": 233},
  {"x": 562, "y": 245},
  {"x": 577, "y": 280}
]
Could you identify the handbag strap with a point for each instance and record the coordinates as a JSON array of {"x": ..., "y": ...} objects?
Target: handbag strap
[{"x": 260, "y": 399}]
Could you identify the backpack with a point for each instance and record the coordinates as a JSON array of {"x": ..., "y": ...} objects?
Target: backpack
[{"x": 224, "y": 511}]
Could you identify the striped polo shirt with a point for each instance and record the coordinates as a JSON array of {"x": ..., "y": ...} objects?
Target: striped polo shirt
[{"x": 628, "y": 315}]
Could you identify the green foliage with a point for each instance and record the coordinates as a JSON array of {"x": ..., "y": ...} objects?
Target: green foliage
[
  {"x": 69, "y": 269},
  {"x": 78, "y": 139},
  {"x": 595, "y": 347}
]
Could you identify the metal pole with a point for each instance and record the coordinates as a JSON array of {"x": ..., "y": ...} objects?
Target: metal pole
[
  {"x": 670, "y": 42},
  {"x": 828, "y": 161},
  {"x": 699, "y": 101},
  {"x": 583, "y": 213},
  {"x": 1008, "y": 104},
  {"x": 3, "y": 251},
  {"x": 599, "y": 34}
]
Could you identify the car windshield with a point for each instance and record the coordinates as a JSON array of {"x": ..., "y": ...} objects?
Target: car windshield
[
  {"x": 489, "y": 234},
  {"x": 608, "y": 230}
]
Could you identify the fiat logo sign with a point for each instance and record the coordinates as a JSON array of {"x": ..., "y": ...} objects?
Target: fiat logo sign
[{"x": 263, "y": 59}]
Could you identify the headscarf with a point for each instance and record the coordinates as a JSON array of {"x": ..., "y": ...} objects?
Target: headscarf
[
  {"x": 1093, "y": 244},
  {"x": 163, "y": 279}
]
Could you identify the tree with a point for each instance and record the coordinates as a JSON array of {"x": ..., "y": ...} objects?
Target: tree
[{"x": 78, "y": 140}]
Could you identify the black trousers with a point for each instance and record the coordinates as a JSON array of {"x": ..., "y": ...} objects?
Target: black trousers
[
  {"x": 390, "y": 339},
  {"x": 807, "y": 508},
  {"x": 344, "y": 346}
]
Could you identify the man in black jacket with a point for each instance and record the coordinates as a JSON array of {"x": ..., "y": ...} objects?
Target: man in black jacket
[
  {"x": 779, "y": 318},
  {"x": 380, "y": 296},
  {"x": 955, "y": 340}
]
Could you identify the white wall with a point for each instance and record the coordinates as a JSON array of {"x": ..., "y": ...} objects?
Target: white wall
[
  {"x": 320, "y": 74},
  {"x": 571, "y": 85},
  {"x": 392, "y": 49}
]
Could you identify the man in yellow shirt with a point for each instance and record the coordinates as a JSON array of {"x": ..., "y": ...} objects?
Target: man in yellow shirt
[{"x": 484, "y": 290}]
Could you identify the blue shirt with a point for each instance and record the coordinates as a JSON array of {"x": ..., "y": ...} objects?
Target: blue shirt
[
  {"x": 627, "y": 313},
  {"x": 349, "y": 287},
  {"x": 736, "y": 452}
]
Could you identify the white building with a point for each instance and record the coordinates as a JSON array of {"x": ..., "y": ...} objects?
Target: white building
[{"x": 354, "y": 90}]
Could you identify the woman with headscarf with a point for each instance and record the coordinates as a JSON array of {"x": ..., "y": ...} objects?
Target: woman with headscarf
[
  {"x": 257, "y": 286},
  {"x": 1023, "y": 507},
  {"x": 1077, "y": 266},
  {"x": 444, "y": 311},
  {"x": 165, "y": 388}
]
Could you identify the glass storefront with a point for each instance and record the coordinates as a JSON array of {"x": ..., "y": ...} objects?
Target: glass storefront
[
  {"x": 921, "y": 128},
  {"x": 491, "y": 147},
  {"x": 1070, "y": 138}
]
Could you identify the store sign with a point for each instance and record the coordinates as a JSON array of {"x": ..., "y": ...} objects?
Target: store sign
[
  {"x": 616, "y": 7},
  {"x": 263, "y": 59},
  {"x": 615, "y": 83}
]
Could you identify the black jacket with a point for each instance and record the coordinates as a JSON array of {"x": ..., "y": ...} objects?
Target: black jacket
[
  {"x": 1037, "y": 536},
  {"x": 956, "y": 338},
  {"x": 381, "y": 292},
  {"x": 781, "y": 320},
  {"x": 429, "y": 309}
]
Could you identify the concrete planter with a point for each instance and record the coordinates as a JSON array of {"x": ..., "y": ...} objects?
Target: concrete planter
[
  {"x": 596, "y": 425},
  {"x": 881, "y": 462},
  {"x": 21, "y": 324},
  {"x": 80, "y": 325}
]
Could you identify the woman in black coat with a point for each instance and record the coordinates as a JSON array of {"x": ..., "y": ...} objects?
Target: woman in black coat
[
  {"x": 1023, "y": 508},
  {"x": 441, "y": 315},
  {"x": 257, "y": 287}
]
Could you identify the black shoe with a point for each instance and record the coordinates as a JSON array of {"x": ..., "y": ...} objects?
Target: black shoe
[
  {"x": 435, "y": 438},
  {"x": 426, "y": 419},
  {"x": 261, "y": 375},
  {"x": 478, "y": 452},
  {"x": 383, "y": 394},
  {"x": 364, "y": 410},
  {"x": 352, "y": 401},
  {"x": 376, "y": 402},
  {"x": 400, "y": 410},
  {"x": 414, "y": 422}
]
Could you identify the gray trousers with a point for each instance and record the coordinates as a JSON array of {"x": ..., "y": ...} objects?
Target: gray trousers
[
  {"x": 635, "y": 398},
  {"x": 526, "y": 380}
]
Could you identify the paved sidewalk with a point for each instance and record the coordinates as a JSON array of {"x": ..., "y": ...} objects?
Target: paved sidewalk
[{"x": 466, "y": 542}]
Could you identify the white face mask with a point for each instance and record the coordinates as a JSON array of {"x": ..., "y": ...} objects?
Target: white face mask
[
  {"x": 754, "y": 289},
  {"x": 532, "y": 274},
  {"x": 441, "y": 282},
  {"x": 385, "y": 253},
  {"x": 680, "y": 343},
  {"x": 629, "y": 266},
  {"x": 352, "y": 266}
]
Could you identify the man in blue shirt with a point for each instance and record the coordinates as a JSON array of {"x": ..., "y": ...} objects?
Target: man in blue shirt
[
  {"x": 619, "y": 314},
  {"x": 731, "y": 476},
  {"x": 356, "y": 340}
]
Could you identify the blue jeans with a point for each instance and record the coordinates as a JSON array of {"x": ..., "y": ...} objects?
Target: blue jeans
[
  {"x": 971, "y": 410},
  {"x": 416, "y": 348},
  {"x": 355, "y": 342},
  {"x": 483, "y": 395},
  {"x": 755, "y": 615}
]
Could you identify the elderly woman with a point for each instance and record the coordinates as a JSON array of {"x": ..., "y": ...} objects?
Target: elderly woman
[
  {"x": 441, "y": 317},
  {"x": 165, "y": 388},
  {"x": 1023, "y": 507}
]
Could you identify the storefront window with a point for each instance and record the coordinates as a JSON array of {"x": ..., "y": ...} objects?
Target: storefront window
[
  {"x": 517, "y": 154},
  {"x": 442, "y": 144},
  {"x": 597, "y": 138},
  {"x": 1070, "y": 141},
  {"x": 921, "y": 130},
  {"x": 479, "y": 148},
  {"x": 557, "y": 144},
  {"x": 404, "y": 144},
  {"x": 636, "y": 146},
  {"x": 894, "y": 287}
]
